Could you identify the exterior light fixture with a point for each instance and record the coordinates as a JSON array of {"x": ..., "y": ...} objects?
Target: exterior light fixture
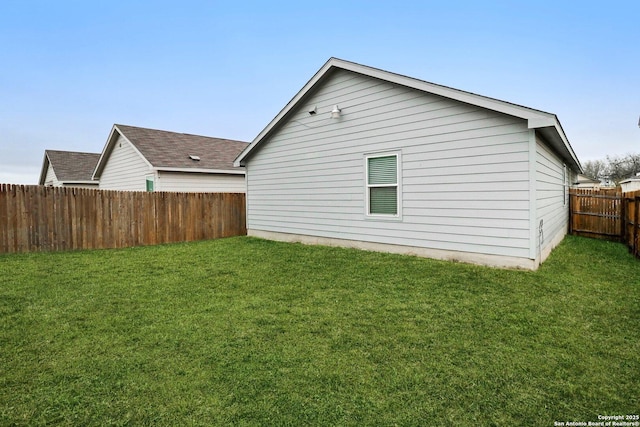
[{"x": 335, "y": 113}]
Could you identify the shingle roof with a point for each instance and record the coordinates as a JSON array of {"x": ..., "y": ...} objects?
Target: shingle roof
[
  {"x": 72, "y": 165},
  {"x": 631, "y": 179},
  {"x": 165, "y": 149}
]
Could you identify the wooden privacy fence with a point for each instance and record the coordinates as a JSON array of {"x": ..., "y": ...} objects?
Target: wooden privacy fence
[
  {"x": 631, "y": 230},
  {"x": 596, "y": 213},
  {"x": 606, "y": 214},
  {"x": 37, "y": 218}
]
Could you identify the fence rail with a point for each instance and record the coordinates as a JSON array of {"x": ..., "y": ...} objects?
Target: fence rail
[
  {"x": 37, "y": 218},
  {"x": 606, "y": 214},
  {"x": 597, "y": 213}
]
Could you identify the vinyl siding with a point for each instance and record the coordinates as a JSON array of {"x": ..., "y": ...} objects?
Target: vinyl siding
[
  {"x": 200, "y": 182},
  {"x": 552, "y": 195},
  {"x": 464, "y": 170},
  {"x": 50, "y": 179},
  {"x": 125, "y": 169}
]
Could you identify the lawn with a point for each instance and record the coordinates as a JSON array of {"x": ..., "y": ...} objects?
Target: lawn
[{"x": 243, "y": 331}]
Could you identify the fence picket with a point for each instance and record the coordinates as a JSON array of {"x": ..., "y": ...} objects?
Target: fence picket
[
  {"x": 606, "y": 214},
  {"x": 596, "y": 213},
  {"x": 36, "y": 218}
]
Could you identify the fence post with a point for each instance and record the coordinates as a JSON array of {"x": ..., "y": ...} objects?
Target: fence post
[
  {"x": 36, "y": 218},
  {"x": 636, "y": 226},
  {"x": 625, "y": 221},
  {"x": 571, "y": 202}
]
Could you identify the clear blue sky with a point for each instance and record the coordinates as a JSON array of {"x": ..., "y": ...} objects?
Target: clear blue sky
[{"x": 71, "y": 69}]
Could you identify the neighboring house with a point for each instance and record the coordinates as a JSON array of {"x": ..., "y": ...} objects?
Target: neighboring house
[
  {"x": 362, "y": 157},
  {"x": 607, "y": 182},
  {"x": 583, "y": 181},
  {"x": 68, "y": 169},
  {"x": 630, "y": 184},
  {"x": 139, "y": 159}
]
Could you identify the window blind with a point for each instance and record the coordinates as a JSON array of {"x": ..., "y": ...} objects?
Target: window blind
[
  {"x": 382, "y": 180},
  {"x": 383, "y": 170}
]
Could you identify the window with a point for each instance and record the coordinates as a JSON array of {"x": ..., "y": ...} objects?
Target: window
[
  {"x": 382, "y": 184},
  {"x": 150, "y": 183}
]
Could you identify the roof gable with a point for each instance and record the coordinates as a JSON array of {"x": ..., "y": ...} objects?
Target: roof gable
[
  {"x": 69, "y": 166},
  {"x": 173, "y": 151},
  {"x": 547, "y": 123}
]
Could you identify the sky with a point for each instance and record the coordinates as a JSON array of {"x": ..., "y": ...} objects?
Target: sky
[{"x": 70, "y": 69}]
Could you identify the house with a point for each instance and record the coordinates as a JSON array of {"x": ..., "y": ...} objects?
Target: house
[
  {"x": 140, "y": 159},
  {"x": 583, "y": 181},
  {"x": 630, "y": 184},
  {"x": 68, "y": 169},
  {"x": 365, "y": 158}
]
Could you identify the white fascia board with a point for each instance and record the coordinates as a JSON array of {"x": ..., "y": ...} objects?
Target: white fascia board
[
  {"x": 237, "y": 162},
  {"x": 445, "y": 91},
  {"x": 541, "y": 122},
  {"x": 108, "y": 148},
  {"x": 565, "y": 140},
  {"x": 456, "y": 94},
  {"x": 45, "y": 167},
  {"x": 301, "y": 93},
  {"x": 103, "y": 156},
  {"x": 555, "y": 135},
  {"x": 80, "y": 182},
  {"x": 550, "y": 121},
  {"x": 135, "y": 148},
  {"x": 199, "y": 170},
  {"x": 535, "y": 118}
]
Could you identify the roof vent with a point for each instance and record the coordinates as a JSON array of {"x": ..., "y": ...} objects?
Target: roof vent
[{"x": 195, "y": 158}]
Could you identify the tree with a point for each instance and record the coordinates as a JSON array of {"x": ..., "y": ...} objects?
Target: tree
[
  {"x": 614, "y": 168},
  {"x": 595, "y": 169},
  {"x": 623, "y": 167}
]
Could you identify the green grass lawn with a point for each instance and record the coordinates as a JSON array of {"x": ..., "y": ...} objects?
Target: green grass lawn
[{"x": 244, "y": 331}]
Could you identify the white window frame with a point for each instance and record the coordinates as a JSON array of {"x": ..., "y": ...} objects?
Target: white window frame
[{"x": 398, "y": 185}]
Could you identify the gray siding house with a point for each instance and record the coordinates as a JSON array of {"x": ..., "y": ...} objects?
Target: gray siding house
[
  {"x": 68, "y": 169},
  {"x": 365, "y": 158},
  {"x": 141, "y": 159}
]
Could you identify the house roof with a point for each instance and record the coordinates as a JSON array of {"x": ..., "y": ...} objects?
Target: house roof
[
  {"x": 547, "y": 124},
  {"x": 178, "y": 152},
  {"x": 583, "y": 179},
  {"x": 69, "y": 166},
  {"x": 631, "y": 179}
]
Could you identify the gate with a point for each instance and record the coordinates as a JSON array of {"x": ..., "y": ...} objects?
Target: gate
[{"x": 597, "y": 213}]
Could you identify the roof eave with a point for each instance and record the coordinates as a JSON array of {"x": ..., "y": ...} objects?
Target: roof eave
[
  {"x": 91, "y": 182},
  {"x": 535, "y": 118},
  {"x": 199, "y": 170},
  {"x": 558, "y": 141},
  {"x": 45, "y": 166},
  {"x": 239, "y": 161},
  {"x": 108, "y": 148}
]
